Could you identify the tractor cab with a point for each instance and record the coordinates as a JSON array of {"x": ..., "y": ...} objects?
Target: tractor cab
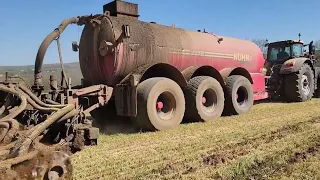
[
  {"x": 281, "y": 51},
  {"x": 278, "y": 52}
]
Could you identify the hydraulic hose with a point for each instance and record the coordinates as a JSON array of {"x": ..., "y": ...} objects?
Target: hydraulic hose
[
  {"x": 44, "y": 46},
  {"x": 12, "y": 129},
  {"x": 22, "y": 145},
  {"x": 7, "y": 147},
  {"x": 5, "y": 105},
  {"x": 69, "y": 115},
  {"x": 22, "y": 106},
  {"x": 4, "y": 128},
  {"x": 6, "y": 164},
  {"x": 53, "y": 118},
  {"x": 35, "y": 105},
  {"x": 37, "y": 100},
  {"x": 51, "y": 102}
]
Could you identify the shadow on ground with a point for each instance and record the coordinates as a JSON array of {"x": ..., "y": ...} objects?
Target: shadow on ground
[
  {"x": 266, "y": 101},
  {"x": 107, "y": 120}
]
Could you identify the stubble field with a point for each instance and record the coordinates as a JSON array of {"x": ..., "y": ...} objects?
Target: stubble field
[{"x": 273, "y": 141}]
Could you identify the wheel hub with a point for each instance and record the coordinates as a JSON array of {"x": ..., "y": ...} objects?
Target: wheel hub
[
  {"x": 241, "y": 96},
  {"x": 166, "y": 105},
  {"x": 159, "y": 105},
  {"x": 209, "y": 100},
  {"x": 305, "y": 85},
  {"x": 204, "y": 100}
]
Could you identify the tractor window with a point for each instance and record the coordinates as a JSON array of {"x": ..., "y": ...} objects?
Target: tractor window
[
  {"x": 297, "y": 50},
  {"x": 279, "y": 53}
]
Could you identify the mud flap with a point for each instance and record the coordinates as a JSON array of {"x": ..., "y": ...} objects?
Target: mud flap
[{"x": 126, "y": 100}]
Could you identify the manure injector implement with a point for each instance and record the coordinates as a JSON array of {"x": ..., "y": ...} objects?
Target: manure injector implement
[{"x": 157, "y": 75}]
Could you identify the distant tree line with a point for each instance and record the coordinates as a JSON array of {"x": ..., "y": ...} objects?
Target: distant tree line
[{"x": 261, "y": 44}]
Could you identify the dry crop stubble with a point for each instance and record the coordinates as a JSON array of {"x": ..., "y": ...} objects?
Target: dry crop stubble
[{"x": 250, "y": 145}]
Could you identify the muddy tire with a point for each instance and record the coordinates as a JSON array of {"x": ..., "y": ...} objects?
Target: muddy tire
[
  {"x": 204, "y": 99},
  {"x": 299, "y": 87},
  {"x": 238, "y": 95},
  {"x": 161, "y": 104}
]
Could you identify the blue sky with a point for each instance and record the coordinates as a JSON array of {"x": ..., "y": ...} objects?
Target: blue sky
[{"x": 24, "y": 24}]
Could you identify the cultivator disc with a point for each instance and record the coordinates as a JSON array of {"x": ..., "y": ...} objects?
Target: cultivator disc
[
  {"x": 38, "y": 165},
  {"x": 58, "y": 166},
  {"x": 22, "y": 154}
]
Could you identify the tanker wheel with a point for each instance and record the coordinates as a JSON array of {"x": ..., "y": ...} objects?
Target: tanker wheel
[
  {"x": 204, "y": 99},
  {"x": 299, "y": 87},
  {"x": 161, "y": 104},
  {"x": 238, "y": 95}
]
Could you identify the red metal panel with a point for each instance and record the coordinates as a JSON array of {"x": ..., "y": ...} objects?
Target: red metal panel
[{"x": 152, "y": 43}]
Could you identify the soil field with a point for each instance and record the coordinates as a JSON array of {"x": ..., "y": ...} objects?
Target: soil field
[{"x": 274, "y": 141}]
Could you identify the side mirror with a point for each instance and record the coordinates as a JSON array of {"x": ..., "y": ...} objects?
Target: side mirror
[
  {"x": 75, "y": 46},
  {"x": 220, "y": 39},
  {"x": 311, "y": 48}
]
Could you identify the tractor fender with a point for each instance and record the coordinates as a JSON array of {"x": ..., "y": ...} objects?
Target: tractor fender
[{"x": 294, "y": 65}]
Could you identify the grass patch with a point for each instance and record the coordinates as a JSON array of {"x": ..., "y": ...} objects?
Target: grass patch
[{"x": 273, "y": 141}]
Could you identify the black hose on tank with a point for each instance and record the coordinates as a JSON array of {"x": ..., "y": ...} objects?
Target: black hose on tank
[
  {"x": 80, "y": 20},
  {"x": 44, "y": 46}
]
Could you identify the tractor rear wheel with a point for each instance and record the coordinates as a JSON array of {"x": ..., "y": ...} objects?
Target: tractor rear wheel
[
  {"x": 161, "y": 104},
  {"x": 238, "y": 95},
  {"x": 299, "y": 87},
  {"x": 204, "y": 99}
]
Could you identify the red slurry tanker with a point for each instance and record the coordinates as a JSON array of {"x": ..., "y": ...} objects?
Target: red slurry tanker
[
  {"x": 169, "y": 68},
  {"x": 157, "y": 75}
]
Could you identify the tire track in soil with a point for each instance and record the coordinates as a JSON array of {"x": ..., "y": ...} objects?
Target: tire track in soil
[
  {"x": 311, "y": 151},
  {"x": 267, "y": 167},
  {"x": 134, "y": 148},
  {"x": 125, "y": 148},
  {"x": 300, "y": 156},
  {"x": 187, "y": 167},
  {"x": 230, "y": 152}
]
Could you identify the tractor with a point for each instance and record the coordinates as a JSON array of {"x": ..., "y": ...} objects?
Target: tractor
[{"x": 291, "y": 72}]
